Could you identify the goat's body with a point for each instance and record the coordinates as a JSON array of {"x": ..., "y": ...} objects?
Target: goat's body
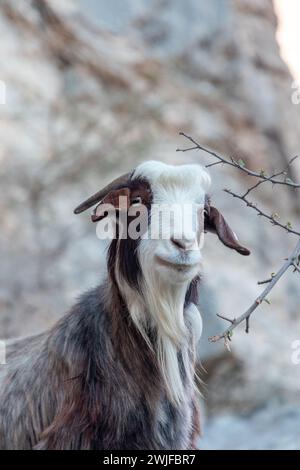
[
  {"x": 118, "y": 371},
  {"x": 91, "y": 383}
]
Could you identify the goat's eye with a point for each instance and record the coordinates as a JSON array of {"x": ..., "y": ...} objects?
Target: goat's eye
[
  {"x": 137, "y": 200},
  {"x": 206, "y": 211}
]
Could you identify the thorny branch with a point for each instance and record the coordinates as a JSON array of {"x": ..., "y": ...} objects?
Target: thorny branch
[
  {"x": 240, "y": 165},
  {"x": 273, "y": 218},
  {"x": 280, "y": 178},
  {"x": 245, "y": 316}
]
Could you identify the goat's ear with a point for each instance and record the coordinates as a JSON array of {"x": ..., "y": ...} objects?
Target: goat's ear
[
  {"x": 215, "y": 222},
  {"x": 118, "y": 198}
]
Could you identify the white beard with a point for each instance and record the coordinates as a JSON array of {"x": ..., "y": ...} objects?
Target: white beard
[{"x": 161, "y": 307}]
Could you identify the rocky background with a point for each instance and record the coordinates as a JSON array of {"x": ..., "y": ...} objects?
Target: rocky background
[{"x": 95, "y": 87}]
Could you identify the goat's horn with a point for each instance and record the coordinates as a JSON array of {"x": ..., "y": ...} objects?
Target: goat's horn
[{"x": 118, "y": 183}]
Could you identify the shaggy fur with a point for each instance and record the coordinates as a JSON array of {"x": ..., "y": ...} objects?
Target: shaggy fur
[
  {"x": 118, "y": 372},
  {"x": 90, "y": 383},
  {"x": 101, "y": 378}
]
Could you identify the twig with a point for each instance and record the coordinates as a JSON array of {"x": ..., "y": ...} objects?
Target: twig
[
  {"x": 262, "y": 176},
  {"x": 245, "y": 316},
  {"x": 213, "y": 164},
  {"x": 261, "y": 181},
  {"x": 265, "y": 282},
  {"x": 279, "y": 177},
  {"x": 272, "y": 177},
  {"x": 271, "y": 218},
  {"x": 296, "y": 269},
  {"x": 247, "y": 325},
  {"x": 230, "y": 320}
]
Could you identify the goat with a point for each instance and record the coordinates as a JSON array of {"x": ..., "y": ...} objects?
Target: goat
[{"x": 118, "y": 371}]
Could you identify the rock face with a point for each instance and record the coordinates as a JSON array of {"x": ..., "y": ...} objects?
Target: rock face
[
  {"x": 275, "y": 427},
  {"x": 93, "y": 89}
]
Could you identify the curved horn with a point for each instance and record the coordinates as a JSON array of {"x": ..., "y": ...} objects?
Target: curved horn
[{"x": 118, "y": 183}]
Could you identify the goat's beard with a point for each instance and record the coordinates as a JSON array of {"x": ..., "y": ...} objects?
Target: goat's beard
[
  {"x": 159, "y": 306},
  {"x": 164, "y": 304}
]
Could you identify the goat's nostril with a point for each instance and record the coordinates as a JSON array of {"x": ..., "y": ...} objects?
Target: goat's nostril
[{"x": 182, "y": 244}]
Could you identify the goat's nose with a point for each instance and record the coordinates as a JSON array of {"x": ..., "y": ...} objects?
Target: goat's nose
[{"x": 183, "y": 243}]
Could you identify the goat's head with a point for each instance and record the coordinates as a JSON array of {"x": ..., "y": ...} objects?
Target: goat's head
[
  {"x": 170, "y": 210},
  {"x": 154, "y": 264}
]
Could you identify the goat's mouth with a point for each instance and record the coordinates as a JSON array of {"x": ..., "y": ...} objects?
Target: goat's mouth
[{"x": 178, "y": 266}]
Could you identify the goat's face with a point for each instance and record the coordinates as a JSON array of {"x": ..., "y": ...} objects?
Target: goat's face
[
  {"x": 152, "y": 265},
  {"x": 171, "y": 245},
  {"x": 169, "y": 209}
]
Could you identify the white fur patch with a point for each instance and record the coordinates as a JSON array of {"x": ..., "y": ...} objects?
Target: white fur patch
[
  {"x": 163, "y": 292},
  {"x": 170, "y": 183},
  {"x": 195, "y": 320}
]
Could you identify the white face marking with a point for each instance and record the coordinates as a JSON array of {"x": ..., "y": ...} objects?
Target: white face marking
[
  {"x": 175, "y": 248},
  {"x": 175, "y": 184},
  {"x": 169, "y": 267}
]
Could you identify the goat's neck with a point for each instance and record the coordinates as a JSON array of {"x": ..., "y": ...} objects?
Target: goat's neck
[{"x": 159, "y": 307}]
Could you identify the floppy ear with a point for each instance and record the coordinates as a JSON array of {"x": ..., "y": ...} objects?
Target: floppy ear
[
  {"x": 118, "y": 183},
  {"x": 215, "y": 222},
  {"x": 118, "y": 198}
]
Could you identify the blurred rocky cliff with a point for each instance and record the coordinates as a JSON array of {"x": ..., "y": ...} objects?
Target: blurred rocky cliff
[{"x": 93, "y": 88}]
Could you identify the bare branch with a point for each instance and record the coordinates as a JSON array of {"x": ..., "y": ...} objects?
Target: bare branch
[
  {"x": 280, "y": 178},
  {"x": 247, "y": 325},
  {"x": 265, "y": 282},
  {"x": 296, "y": 269},
  {"x": 271, "y": 218},
  {"x": 232, "y": 321},
  {"x": 213, "y": 164},
  {"x": 239, "y": 165},
  {"x": 245, "y": 316},
  {"x": 261, "y": 181}
]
